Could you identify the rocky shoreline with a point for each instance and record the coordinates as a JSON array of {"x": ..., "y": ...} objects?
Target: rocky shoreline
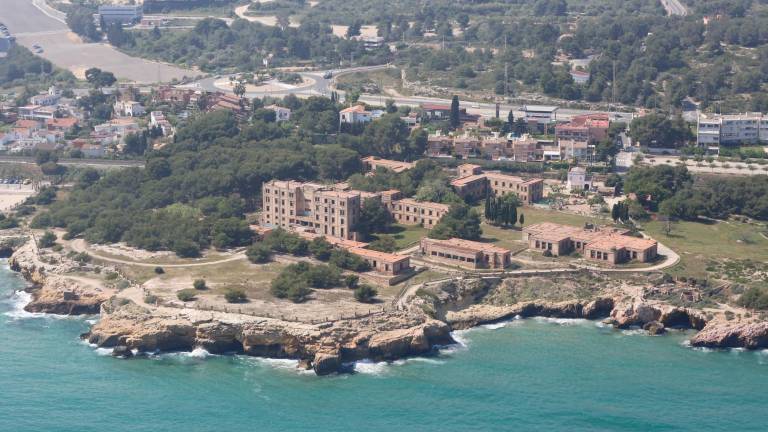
[{"x": 325, "y": 348}]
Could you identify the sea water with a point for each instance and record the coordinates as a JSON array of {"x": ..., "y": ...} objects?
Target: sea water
[{"x": 533, "y": 374}]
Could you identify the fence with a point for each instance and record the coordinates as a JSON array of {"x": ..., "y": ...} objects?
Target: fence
[{"x": 240, "y": 309}]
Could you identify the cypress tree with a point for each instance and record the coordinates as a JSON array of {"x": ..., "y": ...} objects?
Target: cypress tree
[
  {"x": 455, "y": 119},
  {"x": 522, "y": 219},
  {"x": 615, "y": 210},
  {"x": 512, "y": 215}
]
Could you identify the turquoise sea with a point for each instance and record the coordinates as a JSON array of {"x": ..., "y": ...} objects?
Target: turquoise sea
[{"x": 554, "y": 375}]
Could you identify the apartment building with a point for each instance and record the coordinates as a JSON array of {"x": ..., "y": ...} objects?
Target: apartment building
[
  {"x": 608, "y": 245},
  {"x": 313, "y": 207},
  {"x": 748, "y": 128},
  {"x": 408, "y": 211},
  {"x": 465, "y": 253},
  {"x": 591, "y": 128}
]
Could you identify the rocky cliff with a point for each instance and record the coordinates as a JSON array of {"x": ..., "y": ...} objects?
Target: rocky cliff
[
  {"x": 324, "y": 347},
  {"x": 53, "y": 292},
  {"x": 722, "y": 335}
]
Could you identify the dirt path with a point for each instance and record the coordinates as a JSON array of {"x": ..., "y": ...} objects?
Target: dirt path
[{"x": 80, "y": 245}]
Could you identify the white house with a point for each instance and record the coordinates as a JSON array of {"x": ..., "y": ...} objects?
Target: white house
[
  {"x": 129, "y": 108},
  {"x": 355, "y": 114},
  {"x": 281, "y": 113},
  {"x": 578, "y": 180}
]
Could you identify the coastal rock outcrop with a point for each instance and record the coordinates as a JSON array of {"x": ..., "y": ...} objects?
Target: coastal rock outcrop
[
  {"x": 484, "y": 314},
  {"x": 59, "y": 295},
  {"x": 323, "y": 346},
  {"x": 626, "y": 315},
  {"x": 718, "y": 335}
]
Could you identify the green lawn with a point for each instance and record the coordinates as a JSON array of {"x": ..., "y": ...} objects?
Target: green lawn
[
  {"x": 406, "y": 235},
  {"x": 698, "y": 244},
  {"x": 510, "y": 238}
]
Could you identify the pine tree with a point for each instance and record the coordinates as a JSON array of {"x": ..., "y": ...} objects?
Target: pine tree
[{"x": 455, "y": 119}]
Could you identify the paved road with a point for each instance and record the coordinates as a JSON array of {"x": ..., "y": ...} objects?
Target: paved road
[
  {"x": 103, "y": 163},
  {"x": 80, "y": 245},
  {"x": 674, "y": 7},
  {"x": 323, "y": 86},
  {"x": 32, "y": 25}
]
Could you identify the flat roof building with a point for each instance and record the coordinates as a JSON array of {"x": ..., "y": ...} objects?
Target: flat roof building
[
  {"x": 477, "y": 186},
  {"x": 123, "y": 14},
  {"x": 465, "y": 253},
  {"x": 609, "y": 245},
  {"x": 408, "y": 211},
  {"x": 371, "y": 163},
  {"x": 314, "y": 207}
]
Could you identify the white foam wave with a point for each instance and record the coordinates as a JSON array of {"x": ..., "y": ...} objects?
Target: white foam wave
[
  {"x": 19, "y": 299},
  {"x": 562, "y": 321},
  {"x": 634, "y": 332},
  {"x": 370, "y": 367},
  {"x": 103, "y": 351},
  {"x": 427, "y": 360},
  {"x": 763, "y": 352},
  {"x": 198, "y": 352},
  {"x": 495, "y": 326}
]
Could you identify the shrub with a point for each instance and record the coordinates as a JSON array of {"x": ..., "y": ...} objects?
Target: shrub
[
  {"x": 111, "y": 276},
  {"x": 351, "y": 281},
  {"x": 547, "y": 253},
  {"x": 47, "y": 240},
  {"x": 258, "y": 253},
  {"x": 346, "y": 260},
  {"x": 320, "y": 248},
  {"x": 57, "y": 248},
  {"x": 365, "y": 293},
  {"x": 235, "y": 295},
  {"x": 186, "y": 295},
  {"x": 199, "y": 284},
  {"x": 754, "y": 298},
  {"x": 150, "y": 299},
  {"x": 82, "y": 257},
  {"x": 159, "y": 270}
]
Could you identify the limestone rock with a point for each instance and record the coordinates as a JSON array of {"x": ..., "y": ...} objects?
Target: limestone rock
[
  {"x": 122, "y": 351},
  {"x": 750, "y": 336},
  {"x": 654, "y": 328},
  {"x": 326, "y": 363}
]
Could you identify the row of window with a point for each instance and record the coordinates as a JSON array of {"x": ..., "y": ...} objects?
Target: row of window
[{"x": 453, "y": 257}]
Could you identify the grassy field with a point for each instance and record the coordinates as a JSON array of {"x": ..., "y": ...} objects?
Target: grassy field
[
  {"x": 510, "y": 238},
  {"x": 700, "y": 244},
  {"x": 406, "y": 235}
]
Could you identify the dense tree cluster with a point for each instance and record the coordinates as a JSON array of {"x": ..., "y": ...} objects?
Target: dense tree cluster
[
  {"x": 212, "y": 44},
  {"x": 461, "y": 221},
  {"x": 502, "y": 210},
  {"x": 720, "y": 198},
  {"x": 652, "y": 185}
]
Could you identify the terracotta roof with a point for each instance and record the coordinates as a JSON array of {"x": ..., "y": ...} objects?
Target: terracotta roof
[
  {"x": 379, "y": 256},
  {"x": 27, "y": 123},
  {"x": 435, "y": 107},
  {"x": 463, "y": 181},
  {"x": 355, "y": 108},
  {"x": 469, "y": 245},
  {"x": 423, "y": 204},
  {"x": 66, "y": 122}
]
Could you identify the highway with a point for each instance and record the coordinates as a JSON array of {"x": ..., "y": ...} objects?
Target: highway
[
  {"x": 323, "y": 87},
  {"x": 96, "y": 163},
  {"x": 674, "y": 7},
  {"x": 41, "y": 25}
]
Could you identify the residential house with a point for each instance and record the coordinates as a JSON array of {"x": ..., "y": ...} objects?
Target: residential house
[
  {"x": 408, "y": 211},
  {"x": 355, "y": 114},
  {"x": 281, "y": 113},
  {"x": 129, "y": 109}
]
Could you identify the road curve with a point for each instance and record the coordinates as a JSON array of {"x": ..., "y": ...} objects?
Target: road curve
[{"x": 38, "y": 25}]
